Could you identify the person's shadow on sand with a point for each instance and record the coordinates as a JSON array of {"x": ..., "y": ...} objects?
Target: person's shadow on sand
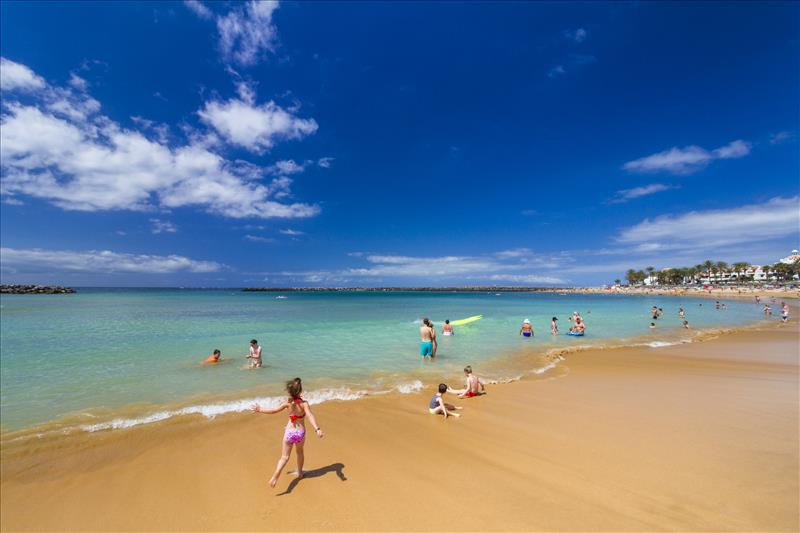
[{"x": 335, "y": 467}]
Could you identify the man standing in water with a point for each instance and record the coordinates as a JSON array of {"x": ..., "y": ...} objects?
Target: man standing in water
[{"x": 427, "y": 339}]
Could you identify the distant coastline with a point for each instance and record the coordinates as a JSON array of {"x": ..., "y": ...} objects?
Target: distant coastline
[{"x": 35, "y": 289}]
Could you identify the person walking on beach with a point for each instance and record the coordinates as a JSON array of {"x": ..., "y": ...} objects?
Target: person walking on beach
[
  {"x": 447, "y": 329},
  {"x": 437, "y": 406},
  {"x": 295, "y": 433},
  {"x": 526, "y": 330},
  {"x": 427, "y": 339},
  {"x": 554, "y": 326},
  {"x": 473, "y": 387},
  {"x": 255, "y": 354}
]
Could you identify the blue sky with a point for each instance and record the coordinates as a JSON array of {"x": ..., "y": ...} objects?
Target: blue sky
[{"x": 373, "y": 144}]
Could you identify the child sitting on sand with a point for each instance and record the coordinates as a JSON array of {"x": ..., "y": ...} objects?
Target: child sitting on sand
[
  {"x": 295, "y": 432},
  {"x": 437, "y": 406},
  {"x": 473, "y": 387}
]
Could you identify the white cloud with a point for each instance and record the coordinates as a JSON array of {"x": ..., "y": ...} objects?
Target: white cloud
[
  {"x": 556, "y": 71},
  {"x": 687, "y": 160},
  {"x": 519, "y": 266},
  {"x": 242, "y": 122},
  {"x": 199, "y": 9},
  {"x": 162, "y": 226},
  {"x": 17, "y": 76},
  {"x": 256, "y": 238},
  {"x": 579, "y": 35},
  {"x": 292, "y": 232},
  {"x": 247, "y": 33},
  {"x": 61, "y": 150},
  {"x": 288, "y": 166},
  {"x": 325, "y": 162},
  {"x": 77, "y": 82},
  {"x": 780, "y": 137},
  {"x": 637, "y": 192},
  {"x": 35, "y": 260},
  {"x": 779, "y": 217},
  {"x": 527, "y": 279}
]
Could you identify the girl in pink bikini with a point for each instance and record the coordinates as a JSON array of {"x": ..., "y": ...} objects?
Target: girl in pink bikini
[{"x": 295, "y": 432}]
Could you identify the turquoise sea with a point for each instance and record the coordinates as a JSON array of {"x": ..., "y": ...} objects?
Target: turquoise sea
[{"x": 112, "y": 358}]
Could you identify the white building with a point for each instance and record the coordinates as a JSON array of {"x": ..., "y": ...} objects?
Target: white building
[{"x": 791, "y": 258}]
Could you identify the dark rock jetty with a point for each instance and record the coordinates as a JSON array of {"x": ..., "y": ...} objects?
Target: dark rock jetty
[{"x": 34, "y": 289}]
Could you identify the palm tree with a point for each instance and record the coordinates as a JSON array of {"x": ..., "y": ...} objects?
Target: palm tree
[
  {"x": 630, "y": 275},
  {"x": 740, "y": 268},
  {"x": 722, "y": 268},
  {"x": 708, "y": 266},
  {"x": 617, "y": 281}
]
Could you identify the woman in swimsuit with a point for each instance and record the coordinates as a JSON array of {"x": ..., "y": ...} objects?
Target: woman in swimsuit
[
  {"x": 447, "y": 329},
  {"x": 295, "y": 432}
]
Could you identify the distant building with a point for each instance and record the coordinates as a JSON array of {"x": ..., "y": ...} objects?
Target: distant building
[{"x": 791, "y": 258}]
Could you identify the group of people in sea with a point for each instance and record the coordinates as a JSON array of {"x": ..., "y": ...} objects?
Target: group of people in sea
[{"x": 254, "y": 357}]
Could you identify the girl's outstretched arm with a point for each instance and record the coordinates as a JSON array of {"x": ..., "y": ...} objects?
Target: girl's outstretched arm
[
  {"x": 312, "y": 419},
  {"x": 257, "y": 409}
]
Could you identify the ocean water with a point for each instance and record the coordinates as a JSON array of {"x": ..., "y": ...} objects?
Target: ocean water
[{"x": 111, "y": 358}]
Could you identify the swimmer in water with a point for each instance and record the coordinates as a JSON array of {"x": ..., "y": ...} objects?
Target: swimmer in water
[
  {"x": 686, "y": 324},
  {"x": 447, "y": 329},
  {"x": 554, "y": 326},
  {"x": 652, "y": 325},
  {"x": 213, "y": 358},
  {"x": 428, "y": 336},
  {"x": 473, "y": 387},
  {"x": 254, "y": 355},
  {"x": 681, "y": 313},
  {"x": 526, "y": 330}
]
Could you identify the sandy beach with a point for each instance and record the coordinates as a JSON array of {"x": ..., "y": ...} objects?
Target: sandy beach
[{"x": 692, "y": 437}]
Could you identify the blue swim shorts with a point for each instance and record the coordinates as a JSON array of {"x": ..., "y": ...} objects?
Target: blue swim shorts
[{"x": 425, "y": 348}]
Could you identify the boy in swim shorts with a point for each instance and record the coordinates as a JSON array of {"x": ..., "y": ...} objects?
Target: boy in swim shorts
[
  {"x": 473, "y": 387},
  {"x": 428, "y": 337},
  {"x": 255, "y": 354}
]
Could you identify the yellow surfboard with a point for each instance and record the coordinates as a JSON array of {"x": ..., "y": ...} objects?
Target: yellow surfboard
[{"x": 464, "y": 321}]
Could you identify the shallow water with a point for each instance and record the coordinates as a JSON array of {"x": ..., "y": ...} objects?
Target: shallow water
[{"x": 102, "y": 352}]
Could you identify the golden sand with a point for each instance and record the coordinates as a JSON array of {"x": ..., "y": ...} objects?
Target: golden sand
[{"x": 693, "y": 437}]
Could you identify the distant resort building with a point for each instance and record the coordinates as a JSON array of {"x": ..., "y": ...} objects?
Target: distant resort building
[{"x": 753, "y": 273}]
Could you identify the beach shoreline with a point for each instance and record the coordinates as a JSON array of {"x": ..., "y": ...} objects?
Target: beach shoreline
[{"x": 699, "y": 436}]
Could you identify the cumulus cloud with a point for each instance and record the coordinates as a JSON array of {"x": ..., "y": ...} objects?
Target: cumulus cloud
[
  {"x": 35, "y": 260},
  {"x": 626, "y": 195},
  {"x": 61, "y": 149},
  {"x": 255, "y": 127},
  {"x": 778, "y": 217},
  {"x": 246, "y": 33},
  {"x": 15, "y": 76},
  {"x": 687, "y": 160},
  {"x": 162, "y": 226}
]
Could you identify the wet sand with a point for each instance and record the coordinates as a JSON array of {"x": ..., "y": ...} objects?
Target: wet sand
[{"x": 693, "y": 437}]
